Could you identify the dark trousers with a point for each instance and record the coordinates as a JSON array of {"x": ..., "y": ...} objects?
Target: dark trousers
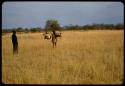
[{"x": 15, "y": 48}]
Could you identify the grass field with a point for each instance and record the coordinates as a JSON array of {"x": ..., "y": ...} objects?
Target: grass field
[{"x": 81, "y": 57}]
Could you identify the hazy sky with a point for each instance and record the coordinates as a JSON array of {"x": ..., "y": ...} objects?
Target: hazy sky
[{"x": 35, "y": 14}]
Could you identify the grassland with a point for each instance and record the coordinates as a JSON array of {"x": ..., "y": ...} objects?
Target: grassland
[{"x": 81, "y": 57}]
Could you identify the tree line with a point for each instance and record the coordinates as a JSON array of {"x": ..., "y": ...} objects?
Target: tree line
[
  {"x": 95, "y": 27},
  {"x": 54, "y": 25}
]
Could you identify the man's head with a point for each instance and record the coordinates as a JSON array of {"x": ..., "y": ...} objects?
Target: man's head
[{"x": 14, "y": 32}]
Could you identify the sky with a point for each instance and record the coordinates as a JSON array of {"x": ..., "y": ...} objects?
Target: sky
[{"x": 35, "y": 14}]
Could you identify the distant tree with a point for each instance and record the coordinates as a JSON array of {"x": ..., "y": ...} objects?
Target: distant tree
[
  {"x": 119, "y": 26},
  {"x": 26, "y": 30},
  {"x": 6, "y": 30},
  {"x": 37, "y": 29},
  {"x": 52, "y": 25},
  {"x": 33, "y": 30},
  {"x": 19, "y": 29}
]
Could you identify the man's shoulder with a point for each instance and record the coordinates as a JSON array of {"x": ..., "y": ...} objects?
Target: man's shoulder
[{"x": 13, "y": 36}]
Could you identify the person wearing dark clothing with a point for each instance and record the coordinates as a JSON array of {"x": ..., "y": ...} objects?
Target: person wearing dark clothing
[
  {"x": 54, "y": 39},
  {"x": 15, "y": 43},
  {"x": 54, "y": 32}
]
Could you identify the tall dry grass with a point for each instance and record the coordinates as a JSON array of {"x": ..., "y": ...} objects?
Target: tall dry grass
[{"x": 81, "y": 57}]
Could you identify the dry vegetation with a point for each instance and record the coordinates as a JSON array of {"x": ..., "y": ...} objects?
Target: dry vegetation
[{"x": 81, "y": 57}]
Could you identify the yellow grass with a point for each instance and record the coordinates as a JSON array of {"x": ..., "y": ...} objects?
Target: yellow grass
[{"x": 81, "y": 57}]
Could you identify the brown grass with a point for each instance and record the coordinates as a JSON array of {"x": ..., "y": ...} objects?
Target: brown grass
[{"x": 81, "y": 57}]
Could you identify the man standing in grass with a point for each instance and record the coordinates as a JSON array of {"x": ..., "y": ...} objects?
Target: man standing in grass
[{"x": 15, "y": 43}]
